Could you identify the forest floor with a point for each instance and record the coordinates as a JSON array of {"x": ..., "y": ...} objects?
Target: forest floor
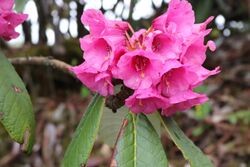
[{"x": 221, "y": 127}]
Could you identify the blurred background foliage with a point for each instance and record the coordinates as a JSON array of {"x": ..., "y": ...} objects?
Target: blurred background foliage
[{"x": 221, "y": 127}]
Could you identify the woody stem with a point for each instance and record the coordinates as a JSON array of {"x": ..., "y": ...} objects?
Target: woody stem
[{"x": 45, "y": 61}]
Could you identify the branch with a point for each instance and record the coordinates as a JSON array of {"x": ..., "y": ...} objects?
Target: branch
[{"x": 45, "y": 61}]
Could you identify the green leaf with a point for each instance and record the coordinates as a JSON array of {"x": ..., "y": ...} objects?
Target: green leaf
[
  {"x": 154, "y": 119},
  {"x": 79, "y": 149},
  {"x": 110, "y": 125},
  {"x": 20, "y": 4},
  {"x": 190, "y": 152},
  {"x": 85, "y": 92},
  {"x": 16, "y": 113},
  {"x": 139, "y": 144}
]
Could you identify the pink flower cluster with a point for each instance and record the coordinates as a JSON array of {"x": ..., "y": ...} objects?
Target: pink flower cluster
[
  {"x": 162, "y": 64},
  {"x": 9, "y": 20}
]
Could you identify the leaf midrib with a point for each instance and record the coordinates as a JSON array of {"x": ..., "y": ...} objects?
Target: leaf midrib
[{"x": 135, "y": 138}]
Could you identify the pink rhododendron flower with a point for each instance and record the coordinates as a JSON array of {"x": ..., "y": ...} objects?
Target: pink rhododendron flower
[
  {"x": 211, "y": 45},
  {"x": 99, "y": 26},
  {"x": 202, "y": 26},
  {"x": 9, "y": 20},
  {"x": 161, "y": 65},
  {"x": 165, "y": 46},
  {"x": 195, "y": 51},
  {"x": 137, "y": 39},
  {"x": 201, "y": 73},
  {"x": 105, "y": 37},
  {"x": 176, "y": 80},
  {"x": 117, "y": 55},
  {"x": 176, "y": 85},
  {"x": 93, "y": 79},
  {"x": 146, "y": 101},
  {"x": 182, "y": 101},
  {"x": 6, "y": 5},
  {"x": 174, "y": 22},
  {"x": 98, "y": 53},
  {"x": 139, "y": 69},
  {"x": 179, "y": 19}
]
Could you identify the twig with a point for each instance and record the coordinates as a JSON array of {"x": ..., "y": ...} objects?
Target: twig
[
  {"x": 45, "y": 61},
  {"x": 113, "y": 161}
]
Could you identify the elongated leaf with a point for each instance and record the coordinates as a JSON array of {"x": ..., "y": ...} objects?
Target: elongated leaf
[
  {"x": 79, "y": 149},
  {"x": 190, "y": 152},
  {"x": 16, "y": 113},
  {"x": 110, "y": 125},
  {"x": 154, "y": 120},
  {"x": 139, "y": 144}
]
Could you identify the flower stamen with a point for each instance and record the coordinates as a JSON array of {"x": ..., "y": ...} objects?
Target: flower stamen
[
  {"x": 131, "y": 29},
  {"x": 129, "y": 43},
  {"x": 140, "y": 63}
]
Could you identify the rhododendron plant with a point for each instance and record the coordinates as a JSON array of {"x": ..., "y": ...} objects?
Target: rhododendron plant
[
  {"x": 162, "y": 65},
  {"x": 9, "y": 20},
  {"x": 154, "y": 70}
]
